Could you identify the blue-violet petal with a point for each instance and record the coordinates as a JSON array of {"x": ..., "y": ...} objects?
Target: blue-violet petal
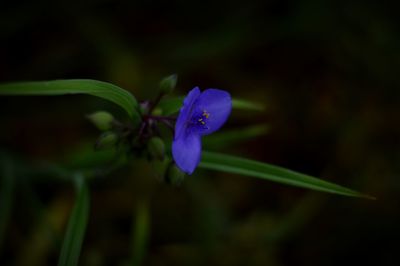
[
  {"x": 218, "y": 106},
  {"x": 185, "y": 112},
  {"x": 186, "y": 151}
]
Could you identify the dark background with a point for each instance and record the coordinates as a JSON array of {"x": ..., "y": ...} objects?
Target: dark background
[{"x": 327, "y": 72}]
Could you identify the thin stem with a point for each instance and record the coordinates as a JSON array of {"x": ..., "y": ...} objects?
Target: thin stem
[{"x": 149, "y": 124}]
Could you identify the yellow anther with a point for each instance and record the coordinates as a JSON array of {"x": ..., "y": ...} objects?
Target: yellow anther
[{"x": 206, "y": 114}]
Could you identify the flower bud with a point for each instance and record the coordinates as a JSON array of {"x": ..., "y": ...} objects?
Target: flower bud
[
  {"x": 174, "y": 175},
  {"x": 160, "y": 167},
  {"x": 102, "y": 120},
  {"x": 168, "y": 84},
  {"x": 156, "y": 148},
  {"x": 157, "y": 111},
  {"x": 106, "y": 140}
]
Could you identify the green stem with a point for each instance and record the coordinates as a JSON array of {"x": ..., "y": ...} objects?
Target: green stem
[{"x": 141, "y": 232}]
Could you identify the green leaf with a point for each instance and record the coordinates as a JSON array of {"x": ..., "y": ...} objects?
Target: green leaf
[
  {"x": 76, "y": 228},
  {"x": 97, "y": 88},
  {"x": 172, "y": 105},
  {"x": 241, "y": 104},
  {"x": 141, "y": 232},
  {"x": 237, "y": 165},
  {"x": 156, "y": 148},
  {"x": 7, "y": 177},
  {"x": 86, "y": 156},
  {"x": 230, "y": 137}
]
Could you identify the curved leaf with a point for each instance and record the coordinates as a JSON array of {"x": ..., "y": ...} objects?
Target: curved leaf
[
  {"x": 237, "y": 165},
  {"x": 97, "y": 88}
]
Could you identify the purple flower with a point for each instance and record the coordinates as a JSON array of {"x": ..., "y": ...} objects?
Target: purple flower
[{"x": 202, "y": 113}]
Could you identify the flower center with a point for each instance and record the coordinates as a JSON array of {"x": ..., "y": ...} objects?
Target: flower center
[{"x": 200, "y": 120}]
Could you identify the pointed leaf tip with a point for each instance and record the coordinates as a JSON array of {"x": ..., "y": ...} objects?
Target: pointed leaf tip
[{"x": 237, "y": 165}]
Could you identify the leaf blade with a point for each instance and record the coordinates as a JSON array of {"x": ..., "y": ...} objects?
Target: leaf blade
[
  {"x": 96, "y": 88},
  {"x": 77, "y": 224},
  {"x": 7, "y": 180},
  {"x": 233, "y": 136},
  {"x": 237, "y": 165},
  {"x": 241, "y": 104},
  {"x": 141, "y": 232},
  {"x": 172, "y": 105}
]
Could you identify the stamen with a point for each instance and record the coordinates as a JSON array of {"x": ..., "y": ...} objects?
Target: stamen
[{"x": 201, "y": 120}]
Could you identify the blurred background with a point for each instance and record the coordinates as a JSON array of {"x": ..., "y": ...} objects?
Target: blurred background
[{"x": 327, "y": 72}]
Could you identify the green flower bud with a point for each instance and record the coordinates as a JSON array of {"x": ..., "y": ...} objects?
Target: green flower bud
[
  {"x": 106, "y": 140},
  {"x": 102, "y": 120},
  {"x": 160, "y": 167},
  {"x": 174, "y": 175},
  {"x": 157, "y": 111},
  {"x": 168, "y": 84},
  {"x": 156, "y": 148}
]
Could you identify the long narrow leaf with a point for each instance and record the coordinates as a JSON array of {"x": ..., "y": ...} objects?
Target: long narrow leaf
[
  {"x": 141, "y": 232},
  {"x": 233, "y": 136},
  {"x": 76, "y": 228},
  {"x": 237, "y": 165},
  {"x": 241, "y": 104},
  {"x": 6, "y": 195},
  {"x": 172, "y": 105},
  {"x": 97, "y": 88}
]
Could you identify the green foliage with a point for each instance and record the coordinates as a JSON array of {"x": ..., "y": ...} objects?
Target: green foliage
[
  {"x": 107, "y": 140},
  {"x": 86, "y": 157},
  {"x": 231, "y": 137},
  {"x": 172, "y": 105},
  {"x": 76, "y": 228},
  {"x": 102, "y": 120},
  {"x": 7, "y": 178},
  {"x": 241, "y": 104},
  {"x": 156, "y": 148},
  {"x": 168, "y": 84},
  {"x": 141, "y": 232},
  {"x": 174, "y": 175},
  {"x": 237, "y": 165},
  {"x": 97, "y": 88},
  {"x": 115, "y": 153}
]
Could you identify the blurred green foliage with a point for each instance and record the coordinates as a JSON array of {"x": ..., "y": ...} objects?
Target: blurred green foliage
[{"x": 326, "y": 70}]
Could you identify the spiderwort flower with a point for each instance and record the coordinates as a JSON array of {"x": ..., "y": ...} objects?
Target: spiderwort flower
[{"x": 202, "y": 113}]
